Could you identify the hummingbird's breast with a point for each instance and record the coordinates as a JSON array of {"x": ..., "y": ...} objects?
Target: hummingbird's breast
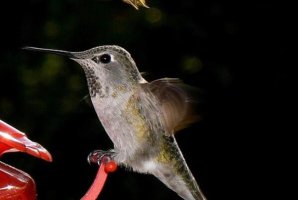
[{"x": 124, "y": 119}]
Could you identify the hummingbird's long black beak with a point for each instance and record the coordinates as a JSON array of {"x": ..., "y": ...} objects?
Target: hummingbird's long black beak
[{"x": 53, "y": 51}]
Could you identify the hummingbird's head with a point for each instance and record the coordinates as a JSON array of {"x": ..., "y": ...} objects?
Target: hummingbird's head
[{"x": 106, "y": 67}]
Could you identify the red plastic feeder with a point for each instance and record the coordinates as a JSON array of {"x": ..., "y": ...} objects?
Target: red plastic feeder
[{"x": 14, "y": 183}]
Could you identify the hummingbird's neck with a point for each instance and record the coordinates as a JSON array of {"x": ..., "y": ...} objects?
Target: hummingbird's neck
[
  {"x": 94, "y": 85},
  {"x": 102, "y": 84}
]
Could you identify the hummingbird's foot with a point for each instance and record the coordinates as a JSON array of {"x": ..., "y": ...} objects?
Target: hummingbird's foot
[{"x": 99, "y": 156}]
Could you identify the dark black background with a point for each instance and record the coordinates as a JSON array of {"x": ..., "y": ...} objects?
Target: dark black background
[{"x": 238, "y": 54}]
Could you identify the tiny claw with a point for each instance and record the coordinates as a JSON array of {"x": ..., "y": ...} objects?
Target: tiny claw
[{"x": 100, "y": 156}]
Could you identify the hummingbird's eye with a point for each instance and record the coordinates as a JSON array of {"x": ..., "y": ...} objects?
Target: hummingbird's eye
[{"x": 105, "y": 58}]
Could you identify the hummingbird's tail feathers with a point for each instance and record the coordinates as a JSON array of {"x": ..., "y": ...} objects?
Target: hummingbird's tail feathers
[
  {"x": 187, "y": 189},
  {"x": 173, "y": 171}
]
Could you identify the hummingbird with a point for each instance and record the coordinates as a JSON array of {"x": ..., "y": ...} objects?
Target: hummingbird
[{"x": 140, "y": 117}]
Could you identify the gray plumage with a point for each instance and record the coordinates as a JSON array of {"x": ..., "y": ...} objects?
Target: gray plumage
[{"x": 139, "y": 117}]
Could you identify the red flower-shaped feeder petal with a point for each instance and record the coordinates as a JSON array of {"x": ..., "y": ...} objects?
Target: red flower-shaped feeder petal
[{"x": 14, "y": 183}]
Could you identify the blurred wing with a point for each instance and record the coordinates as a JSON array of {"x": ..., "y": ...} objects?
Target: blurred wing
[
  {"x": 87, "y": 99},
  {"x": 177, "y": 106}
]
